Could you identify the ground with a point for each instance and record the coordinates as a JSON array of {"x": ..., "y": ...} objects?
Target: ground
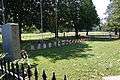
[{"x": 90, "y": 60}]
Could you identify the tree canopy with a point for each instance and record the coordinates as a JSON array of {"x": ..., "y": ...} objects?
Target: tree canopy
[
  {"x": 113, "y": 21},
  {"x": 57, "y": 15}
]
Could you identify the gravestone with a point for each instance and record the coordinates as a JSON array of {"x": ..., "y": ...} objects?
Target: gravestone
[
  {"x": 44, "y": 45},
  {"x": 63, "y": 42},
  {"x": 11, "y": 41},
  {"x": 50, "y": 45},
  {"x": 32, "y": 47},
  {"x": 58, "y": 43},
  {"x": 55, "y": 44},
  {"x": 39, "y": 46}
]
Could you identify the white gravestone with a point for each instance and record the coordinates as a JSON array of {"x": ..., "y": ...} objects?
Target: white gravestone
[
  {"x": 55, "y": 44},
  {"x": 63, "y": 42},
  {"x": 0, "y": 29},
  {"x": 32, "y": 47},
  {"x": 50, "y": 45},
  {"x": 58, "y": 43},
  {"x": 39, "y": 46},
  {"x": 44, "y": 45}
]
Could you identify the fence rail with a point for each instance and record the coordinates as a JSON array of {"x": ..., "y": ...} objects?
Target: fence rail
[{"x": 16, "y": 71}]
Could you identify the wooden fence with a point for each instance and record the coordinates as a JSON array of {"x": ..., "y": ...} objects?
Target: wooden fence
[{"x": 16, "y": 71}]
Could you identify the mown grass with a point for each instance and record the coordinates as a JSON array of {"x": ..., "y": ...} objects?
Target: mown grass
[
  {"x": 90, "y": 60},
  {"x": 33, "y": 36},
  {"x": 47, "y": 35}
]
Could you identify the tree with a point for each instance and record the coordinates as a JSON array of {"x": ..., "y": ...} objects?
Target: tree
[
  {"x": 57, "y": 15},
  {"x": 91, "y": 18},
  {"x": 83, "y": 15},
  {"x": 114, "y": 16},
  {"x": 19, "y": 12},
  {"x": 78, "y": 14},
  {"x": 64, "y": 19}
]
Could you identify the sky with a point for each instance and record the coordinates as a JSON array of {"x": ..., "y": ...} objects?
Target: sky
[{"x": 101, "y": 6}]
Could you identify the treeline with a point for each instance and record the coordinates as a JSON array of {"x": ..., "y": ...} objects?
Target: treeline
[
  {"x": 113, "y": 20},
  {"x": 55, "y": 15}
]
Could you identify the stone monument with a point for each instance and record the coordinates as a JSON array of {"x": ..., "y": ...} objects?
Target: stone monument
[{"x": 11, "y": 41}]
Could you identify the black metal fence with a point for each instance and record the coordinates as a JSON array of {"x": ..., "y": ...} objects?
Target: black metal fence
[{"x": 16, "y": 71}]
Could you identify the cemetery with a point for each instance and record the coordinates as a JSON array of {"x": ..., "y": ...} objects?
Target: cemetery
[{"x": 58, "y": 40}]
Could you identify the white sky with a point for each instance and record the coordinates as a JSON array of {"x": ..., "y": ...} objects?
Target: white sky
[{"x": 101, "y": 6}]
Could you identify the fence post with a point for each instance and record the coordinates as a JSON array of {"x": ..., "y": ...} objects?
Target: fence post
[
  {"x": 17, "y": 71},
  {"x": 1, "y": 62},
  {"x": 23, "y": 75},
  {"x": 29, "y": 72},
  {"x": 8, "y": 66},
  {"x": 65, "y": 77},
  {"x": 44, "y": 75},
  {"x": 5, "y": 69},
  {"x": 53, "y": 78},
  {"x": 4, "y": 62},
  {"x": 13, "y": 69},
  {"x": 36, "y": 73}
]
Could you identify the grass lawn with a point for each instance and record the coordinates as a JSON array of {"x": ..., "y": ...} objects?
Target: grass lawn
[
  {"x": 33, "y": 36},
  {"x": 90, "y": 60},
  {"x": 47, "y": 35}
]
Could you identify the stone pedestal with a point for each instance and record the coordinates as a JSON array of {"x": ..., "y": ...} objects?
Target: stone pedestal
[{"x": 11, "y": 41}]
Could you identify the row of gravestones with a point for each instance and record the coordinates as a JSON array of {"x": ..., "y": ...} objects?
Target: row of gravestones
[{"x": 43, "y": 45}]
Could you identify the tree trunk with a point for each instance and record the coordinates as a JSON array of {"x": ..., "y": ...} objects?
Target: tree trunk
[
  {"x": 56, "y": 33},
  {"x": 87, "y": 33},
  {"x": 20, "y": 32},
  {"x": 116, "y": 31},
  {"x": 76, "y": 32},
  {"x": 64, "y": 34},
  {"x": 119, "y": 32}
]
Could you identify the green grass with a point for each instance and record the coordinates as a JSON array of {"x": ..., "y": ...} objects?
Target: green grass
[
  {"x": 87, "y": 61},
  {"x": 90, "y": 60},
  {"x": 33, "y": 36},
  {"x": 47, "y": 35}
]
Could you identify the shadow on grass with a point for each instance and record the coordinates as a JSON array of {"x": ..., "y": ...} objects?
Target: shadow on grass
[
  {"x": 26, "y": 43},
  {"x": 66, "y": 52}
]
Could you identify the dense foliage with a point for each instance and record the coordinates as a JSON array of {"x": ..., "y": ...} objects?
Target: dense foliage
[
  {"x": 113, "y": 21},
  {"x": 56, "y": 15}
]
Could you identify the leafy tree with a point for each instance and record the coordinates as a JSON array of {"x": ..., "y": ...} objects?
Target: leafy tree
[
  {"x": 63, "y": 15},
  {"x": 114, "y": 16},
  {"x": 19, "y": 12},
  {"x": 83, "y": 15},
  {"x": 91, "y": 18}
]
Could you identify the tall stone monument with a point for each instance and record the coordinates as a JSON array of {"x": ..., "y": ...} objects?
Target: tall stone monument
[{"x": 11, "y": 41}]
